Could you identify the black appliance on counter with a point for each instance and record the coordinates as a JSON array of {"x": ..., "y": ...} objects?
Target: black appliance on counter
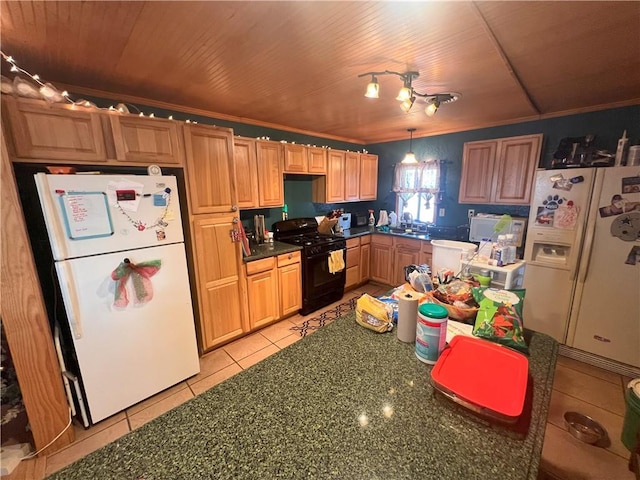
[
  {"x": 460, "y": 232},
  {"x": 319, "y": 287},
  {"x": 359, "y": 219}
]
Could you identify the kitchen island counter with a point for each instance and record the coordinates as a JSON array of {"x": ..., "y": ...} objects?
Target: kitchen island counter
[{"x": 344, "y": 402}]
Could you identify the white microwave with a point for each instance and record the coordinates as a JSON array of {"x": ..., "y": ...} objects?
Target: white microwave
[{"x": 483, "y": 226}]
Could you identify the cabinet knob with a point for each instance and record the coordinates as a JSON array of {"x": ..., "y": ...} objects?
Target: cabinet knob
[
  {"x": 290, "y": 256},
  {"x": 235, "y": 220},
  {"x": 234, "y": 208}
]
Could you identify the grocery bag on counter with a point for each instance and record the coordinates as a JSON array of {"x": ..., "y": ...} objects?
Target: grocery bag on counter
[
  {"x": 499, "y": 317},
  {"x": 374, "y": 314}
]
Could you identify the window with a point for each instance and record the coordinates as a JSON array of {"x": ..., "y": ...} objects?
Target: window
[{"x": 416, "y": 186}]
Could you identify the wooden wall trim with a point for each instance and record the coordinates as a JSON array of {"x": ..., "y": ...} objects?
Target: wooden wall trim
[{"x": 26, "y": 324}]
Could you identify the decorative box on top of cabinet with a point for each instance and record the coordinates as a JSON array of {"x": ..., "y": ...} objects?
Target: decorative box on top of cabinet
[
  {"x": 54, "y": 132},
  {"x": 499, "y": 171}
]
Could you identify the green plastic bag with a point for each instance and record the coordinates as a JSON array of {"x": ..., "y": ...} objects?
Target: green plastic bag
[{"x": 499, "y": 317}]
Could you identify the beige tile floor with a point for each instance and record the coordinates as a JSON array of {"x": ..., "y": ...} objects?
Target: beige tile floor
[{"x": 577, "y": 386}]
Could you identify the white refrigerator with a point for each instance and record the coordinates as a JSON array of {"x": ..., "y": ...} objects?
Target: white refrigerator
[
  {"x": 583, "y": 260},
  {"x": 117, "y": 244}
]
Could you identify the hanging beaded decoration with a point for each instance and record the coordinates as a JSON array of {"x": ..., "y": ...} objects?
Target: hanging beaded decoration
[{"x": 160, "y": 222}]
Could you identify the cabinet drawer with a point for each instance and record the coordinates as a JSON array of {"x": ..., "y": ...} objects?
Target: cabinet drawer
[
  {"x": 353, "y": 242},
  {"x": 288, "y": 258},
  {"x": 353, "y": 257},
  {"x": 407, "y": 244},
  {"x": 261, "y": 265},
  {"x": 382, "y": 240},
  {"x": 365, "y": 240}
]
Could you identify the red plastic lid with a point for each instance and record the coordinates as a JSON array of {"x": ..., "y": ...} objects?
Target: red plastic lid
[{"x": 483, "y": 374}]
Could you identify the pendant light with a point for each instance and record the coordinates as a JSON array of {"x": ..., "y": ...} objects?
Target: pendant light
[{"x": 410, "y": 157}]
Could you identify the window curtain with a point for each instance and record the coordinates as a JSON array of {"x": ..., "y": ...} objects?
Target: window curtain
[{"x": 423, "y": 177}]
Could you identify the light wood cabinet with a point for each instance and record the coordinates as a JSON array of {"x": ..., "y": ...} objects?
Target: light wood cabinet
[
  {"x": 368, "y": 176},
  {"x": 317, "y": 160},
  {"x": 352, "y": 176},
  {"x": 426, "y": 254},
  {"x": 365, "y": 260},
  {"x": 406, "y": 251},
  {"x": 146, "y": 140},
  {"x": 262, "y": 290},
  {"x": 42, "y": 131},
  {"x": 210, "y": 169},
  {"x": 218, "y": 280},
  {"x": 381, "y": 259},
  {"x": 244, "y": 150},
  {"x": 289, "y": 283},
  {"x": 295, "y": 158},
  {"x": 331, "y": 188},
  {"x": 270, "y": 178},
  {"x": 499, "y": 171},
  {"x": 352, "y": 263}
]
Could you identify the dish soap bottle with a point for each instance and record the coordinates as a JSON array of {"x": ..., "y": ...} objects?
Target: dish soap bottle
[
  {"x": 285, "y": 212},
  {"x": 372, "y": 220}
]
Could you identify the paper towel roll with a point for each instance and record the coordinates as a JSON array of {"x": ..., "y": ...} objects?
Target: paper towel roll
[{"x": 408, "y": 316}]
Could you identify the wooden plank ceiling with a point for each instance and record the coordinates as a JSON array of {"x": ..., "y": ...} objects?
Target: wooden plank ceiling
[{"x": 295, "y": 65}]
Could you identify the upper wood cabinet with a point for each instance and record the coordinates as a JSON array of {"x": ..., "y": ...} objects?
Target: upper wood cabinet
[
  {"x": 368, "y": 176},
  {"x": 218, "y": 280},
  {"x": 295, "y": 158},
  {"x": 210, "y": 169},
  {"x": 43, "y": 131},
  {"x": 317, "y": 160},
  {"x": 499, "y": 171},
  {"x": 244, "y": 150},
  {"x": 270, "y": 177},
  {"x": 146, "y": 140},
  {"x": 331, "y": 188},
  {"x": 352, "y": 176}
]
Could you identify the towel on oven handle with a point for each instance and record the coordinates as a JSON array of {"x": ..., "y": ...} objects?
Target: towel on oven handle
[{"x": 336, "y": 261}]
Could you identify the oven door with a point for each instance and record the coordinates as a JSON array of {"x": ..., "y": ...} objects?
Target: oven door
[{"x": 317, "y": 276}]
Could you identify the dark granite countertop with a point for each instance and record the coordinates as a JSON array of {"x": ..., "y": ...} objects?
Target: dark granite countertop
[
  {"x": 266, "y": 250},
  {"x": 344, "y": 402},
  {"x": 361, "y": 231}
]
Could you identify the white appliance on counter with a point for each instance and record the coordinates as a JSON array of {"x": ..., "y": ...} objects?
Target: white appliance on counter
[
  {"x": 506, "y": 277},
  {"x": 117, "y": 243},
  {"x": 483, "y": 226},
  {"x": 583, "y": 260}
]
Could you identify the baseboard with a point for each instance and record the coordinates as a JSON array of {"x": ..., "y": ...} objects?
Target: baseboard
[{"x": 601, "y": 362}]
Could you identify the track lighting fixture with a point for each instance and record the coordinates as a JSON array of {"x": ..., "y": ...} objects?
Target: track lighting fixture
[
  {"x": 407, "y": 95},
  {"x": 410, "y": 157}
]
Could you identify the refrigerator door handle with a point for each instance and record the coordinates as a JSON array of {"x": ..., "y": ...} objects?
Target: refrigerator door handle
[
  {"x": 590, "y": 232},
  {"x": 70, "y": 298}
]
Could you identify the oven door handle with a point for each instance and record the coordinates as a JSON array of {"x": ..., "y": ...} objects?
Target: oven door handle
[{"x": 325, "y": 254}]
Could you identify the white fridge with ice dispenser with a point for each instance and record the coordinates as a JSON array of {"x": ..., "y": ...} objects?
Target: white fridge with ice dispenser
[
  {"x": 117, "y": 244},
  {"x": 583, "y": 260}
]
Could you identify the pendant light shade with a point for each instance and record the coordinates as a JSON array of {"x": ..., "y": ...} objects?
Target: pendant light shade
[
  {"x": 432, "y": 108},
  {"x": 410, "y": 157},
  {"x": 407, "y": 104},
  {"x": 404, "y": 94},
  {"x": 372, "y": 88}
]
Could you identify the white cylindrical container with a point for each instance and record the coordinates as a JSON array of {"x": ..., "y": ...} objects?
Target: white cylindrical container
[
  {"x": 431, "y": 332},
  {"x": 633, "y": 158},
  {"x": 408, "y": 316}
]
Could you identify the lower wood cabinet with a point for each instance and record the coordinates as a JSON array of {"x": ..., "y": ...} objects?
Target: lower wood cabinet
[
  {"x": 406, "y": 251},
  {"x": 365, "y": 258},
  {"x": 274, "y": 288},
  {"x": 220, "y": 314},
  {"x": 381, "y": 258},
  {"x": 426, "y": 253},
  {"x": 352, "y": 263},
  {"x": 262, "y": 290},
  {"x": 289, "y": 283}
]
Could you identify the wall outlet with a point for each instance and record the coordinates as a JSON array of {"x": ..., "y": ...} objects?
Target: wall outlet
[
  {"x": 471, "y": 212},
  {"x": 441, "y": 212}
]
